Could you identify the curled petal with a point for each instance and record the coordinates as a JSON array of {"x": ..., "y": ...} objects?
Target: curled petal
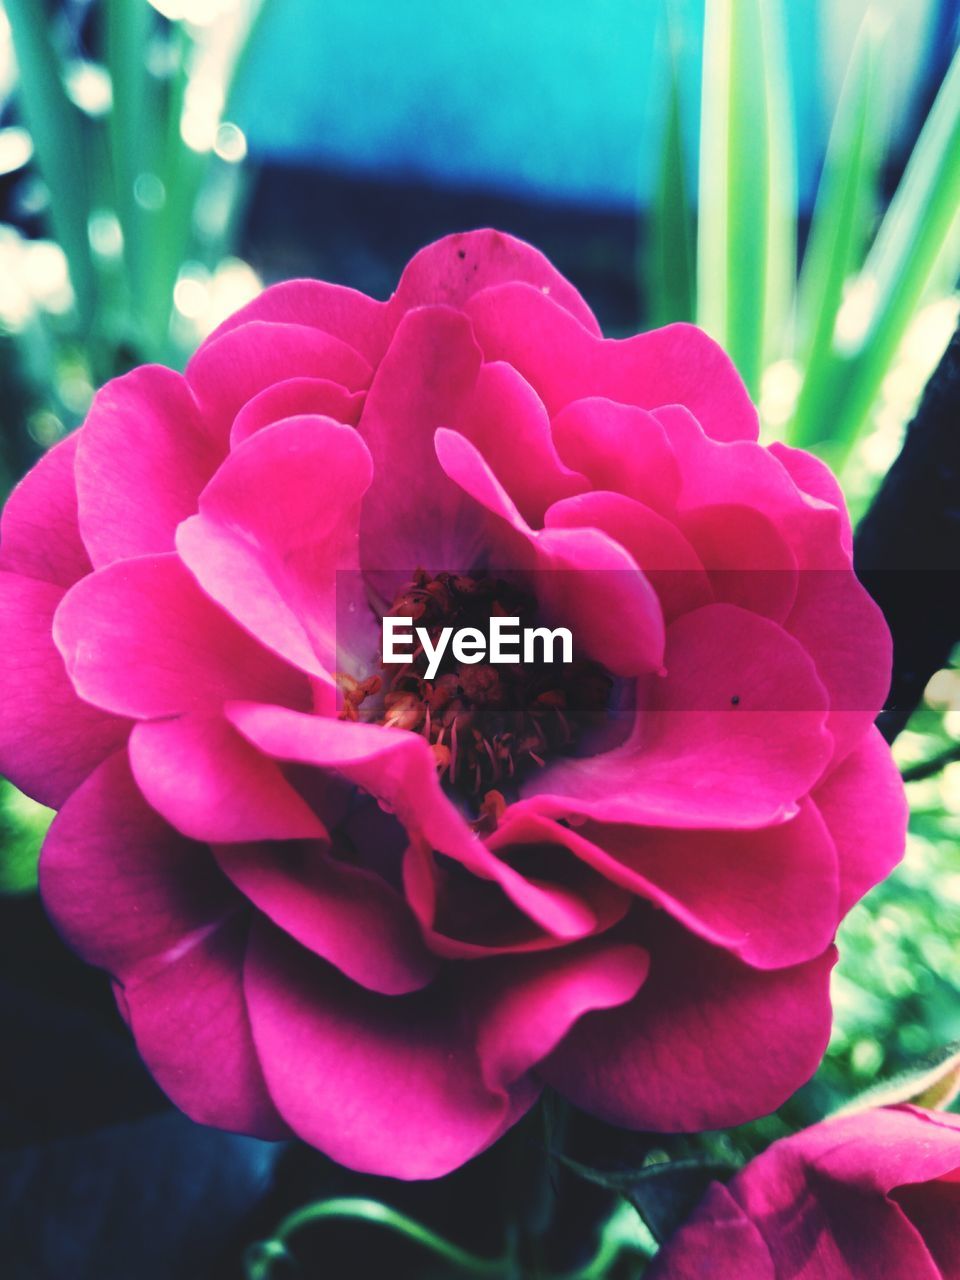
[
  {"x": 296, "y": 398},
  {"x": 275, "y": 525},
  {"x": 506, "y": 421},
  {"x": 564, "y": 362},
  {"x": 412, "y": 1087},
  {"x": 667, "y": 559},
  {"x": 211, "y": 785},
  {"x": 141, "y": 639},
  {"x": 229, "y": 370},
  {"x": 740, "y": 709},
  {"x": 346, "y": 914},
  {"x": 619, "y": 447},
  {"x": 735, "y": 889},
  {"x": 581, "y": 577}
]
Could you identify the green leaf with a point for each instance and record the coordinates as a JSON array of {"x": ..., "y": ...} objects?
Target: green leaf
[
  {"x": 746, "y": 236},
  {"x": 913, "y": 237},
  {"x": 671, "y": 258},
  {"x": 23, "y": 824},
  {"x": 58, "y": 138},
  {"x": 839, "y": 232}
]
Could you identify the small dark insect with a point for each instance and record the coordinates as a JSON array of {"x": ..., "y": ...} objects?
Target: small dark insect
[{"x": 735, "y": 700}]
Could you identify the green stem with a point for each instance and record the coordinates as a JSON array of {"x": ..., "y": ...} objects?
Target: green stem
[
  {"x": 928, "y": 768},
  {"x": 261, "y": 1257}
]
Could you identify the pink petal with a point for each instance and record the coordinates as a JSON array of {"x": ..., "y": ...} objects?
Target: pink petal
[
  {"x": 39, "y": 535},
  {"x": 667, "y": 559},
  {"x": 847, "y": 637},
  {"x": 746, "y": 558},
  {"x": 412, "y": 1087},
  {"x": 49, "y": 740},
  {"x": 715, "y": 472},
  {"x": 387, "y": 1085},
  {"x": 296, "y": 398},
  {"x": 345, "y": 914},
  {"x": 211, "y": 785},
  {"x": 189, "y": 1018},
  {"x": 139, "y": 638},
  {"x": 413, "y": 515},
  {"x": 820, "y": 1197},
  {"x": 276, "y": 523},
  {"x": 863, "y": 804},
  {"x": 506, "y": 421},
  {"x": 121, "y": 886},
  {"x": 229, "y": 370},
  {"x": 934, "y": 1209},
  {"x": 538, "y": 1000},
  {"x": 470, "y": 917},
  {"x": 735, "y": 889},
  {"x": 352, "y": 317},
  {"x": 883, "y": 1149},
  {"x": 752, "y": 759},
  {"x": 135, "y": 898},
  {"x": 581, "y": 577},
  {"x": 709, "y": 1042},
  {"x": 833, "y": 617},
  {"x": 852, "y": 1196},
  {"x": 398, "y": 768},
  {"x": 816, "y": 480},
  {"x": 619, "y": 447},
  {"x": 142, "y": 459},
  {"x": 563, "y": 362},
  {"x": 453, "y": 269},
  {"x": 719, "y": 1242}
]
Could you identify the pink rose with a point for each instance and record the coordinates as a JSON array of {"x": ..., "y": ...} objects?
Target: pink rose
[
  {"x": 872, "y": 1196},
  {"x": 383, "y": 918}
]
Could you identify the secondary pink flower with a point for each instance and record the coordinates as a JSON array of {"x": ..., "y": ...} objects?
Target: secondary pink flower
[
  {"x": 873, "y": 1196},
  {"x": 382, "y": 912}
]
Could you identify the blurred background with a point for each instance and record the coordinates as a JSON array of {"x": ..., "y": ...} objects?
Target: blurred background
[{"x": 787, "y": 174}]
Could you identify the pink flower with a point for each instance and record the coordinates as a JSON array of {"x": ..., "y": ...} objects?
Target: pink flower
[
  {"x": 385, "y": 918},
  {"x": 873, "y": 1195}
]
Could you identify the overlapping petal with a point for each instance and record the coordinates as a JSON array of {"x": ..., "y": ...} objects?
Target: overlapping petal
[{"x": 276, "y": 525}]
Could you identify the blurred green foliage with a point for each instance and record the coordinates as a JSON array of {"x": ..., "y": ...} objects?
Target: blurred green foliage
[
  {"x": 23, "y": 824},
  {"x": 135, "y": 167},
  {"x": 815, "y": 346}
]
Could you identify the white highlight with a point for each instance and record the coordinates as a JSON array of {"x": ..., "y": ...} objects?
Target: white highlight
[{"x": 469, "y": 645}]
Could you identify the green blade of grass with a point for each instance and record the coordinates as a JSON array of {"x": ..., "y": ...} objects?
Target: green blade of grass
[
  {"x": 838, "y": 234},
  {"x": 746, "y": 213},
  {"x": 126, "y": 32},
  {"x": 671, "y": 258},
  {"x": 781, "y": 248},
  {"x": 56, "y": 128},
  {"x": 913, "y": 237}
]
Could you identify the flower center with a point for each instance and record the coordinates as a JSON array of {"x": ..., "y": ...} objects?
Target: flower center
[{"x": 488, "y": 725}]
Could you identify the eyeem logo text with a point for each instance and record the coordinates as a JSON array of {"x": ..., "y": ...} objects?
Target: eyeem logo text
[{"x": 507, "y": 642}]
